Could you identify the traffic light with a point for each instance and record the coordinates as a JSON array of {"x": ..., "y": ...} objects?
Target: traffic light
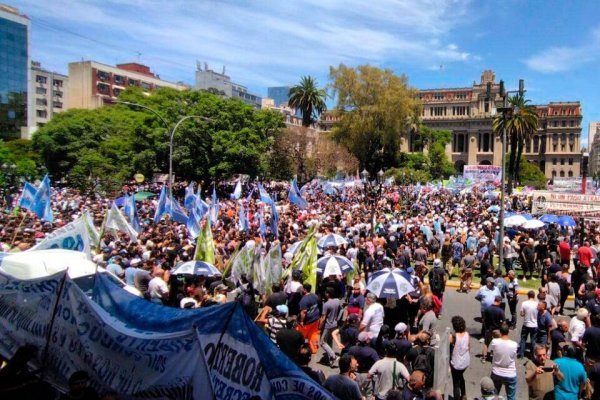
[{"x": 521, "y": 87}]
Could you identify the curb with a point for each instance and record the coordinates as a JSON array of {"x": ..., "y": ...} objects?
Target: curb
[{"x": 475, "y": 286}]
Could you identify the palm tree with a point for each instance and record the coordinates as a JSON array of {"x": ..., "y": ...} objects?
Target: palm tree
[
  {"x": 309, "y": 99},
  {"x": 519, "y": 126}
]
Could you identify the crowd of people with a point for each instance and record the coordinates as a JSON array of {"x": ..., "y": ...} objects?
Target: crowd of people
[{"x": 384, "y": 348}]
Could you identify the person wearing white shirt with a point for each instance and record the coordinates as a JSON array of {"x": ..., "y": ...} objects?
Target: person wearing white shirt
[
  {"x": 372, "y": 317},
  {"x": 157, "y": 288},
  {"x": 504, "y": 369},
  {"x": 577, "y": 328},
  {"x": 529, "y": 313}
]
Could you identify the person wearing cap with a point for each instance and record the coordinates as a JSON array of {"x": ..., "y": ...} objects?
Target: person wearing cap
[
  {"x": 366, "y": 357},
  {"x": 488, "y": 390},
  {"x": 373, "y": 316},
  {"x": 388, "y": 373},
  {"x": 403, "y": 345},
  {"x": 276, "y": 321},
  {"x": 437, "y": 279},
  {"x": 504, "y": 369}
]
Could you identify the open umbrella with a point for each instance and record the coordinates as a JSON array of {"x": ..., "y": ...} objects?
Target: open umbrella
[
  {"x": 139, "y": 196},
  {"x": 565, "y": 220},
  {"x": 533, "y": 224},
  {"x": 196, "y": 268},
  {"x": 549, "y": 218},
  {"x": 515, "y": 220},
  {"x": 494, "y": 208},
  {"x": 390, "y": 284},
  {"x": 334, "y": 265},
  {"x": 331, "y": 240}
]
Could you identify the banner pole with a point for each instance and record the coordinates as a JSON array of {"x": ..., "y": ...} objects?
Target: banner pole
[{"x": 49, "y": 334}]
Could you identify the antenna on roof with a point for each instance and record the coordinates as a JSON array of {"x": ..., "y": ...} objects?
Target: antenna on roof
[{"x": 223, "y": 73}]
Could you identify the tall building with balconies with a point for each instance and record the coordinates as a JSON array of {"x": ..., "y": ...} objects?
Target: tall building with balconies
[
  {"x": 594, "y": 148},
  {"x": 468, "y": 114},
  {"x": 221, "y": 84},
  {"x": 49, "y": 90},
  {"x": 16, "y": 116},
  {"x": 93, "y": 84}
]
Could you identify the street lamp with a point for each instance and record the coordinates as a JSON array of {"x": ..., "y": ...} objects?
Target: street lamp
[
  {"x": 506, "y": 112},
  {"x": 365, "y": 175},
  {"x": 171, "y": 134},
  {"x": 380, "y": 176}
]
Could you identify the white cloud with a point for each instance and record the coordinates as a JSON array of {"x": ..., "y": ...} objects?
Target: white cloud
[
  {"x": 561, "y": 59},
  {"x": 259, "y": 42}
]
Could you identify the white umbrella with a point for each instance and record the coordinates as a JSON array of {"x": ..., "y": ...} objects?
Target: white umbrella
[
  {"x": 390, "y": 284},
  {"x": 331, "y": 240},
  {"x": 334, "y": 265},
  {"x": 515, "y": 220},
  {"x": 533, "y": 224}
]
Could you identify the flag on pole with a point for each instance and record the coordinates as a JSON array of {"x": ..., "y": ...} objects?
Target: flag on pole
[
  {"x": 205, "y": 246},
  {"x": 93, "y": 233},
  {"x": 295, "y": 198},
  {"x": 190, "y": 197},
  {"x": 28, "y": 196},
  {"x": 194, "y": 221},
  {"x": 275, "y": 267},
  {"x": 176, "y": 212},
  {"x": 295, "y": 185},
  {"x": 161, "y": 208},
  {"x": 116, "y": 221},
  {"x": 262, "y": 228},
  {"x": 242, "y": 263},
  {"x": 214, "y": 207},
  {"x": 305, "y": 259},
  {"x": 130, "y": 210},
  {"x": 274, "y": 220},
  {"x": 264, "y": 196},
  {"x": 42, "y": 201},
  {"x": 237, "y": 192},
  {"x": 243, "y": 224}
]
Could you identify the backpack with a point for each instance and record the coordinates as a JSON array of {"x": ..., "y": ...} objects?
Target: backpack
[
  {"x": 421, "y": 362},
  {"x": 436, "y": 281},
  {"x": 434, "y": 245},
  {"x": 246, "y": 298}
]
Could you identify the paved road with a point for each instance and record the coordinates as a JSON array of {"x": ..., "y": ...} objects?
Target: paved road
[{"x": 464, "y": 304}]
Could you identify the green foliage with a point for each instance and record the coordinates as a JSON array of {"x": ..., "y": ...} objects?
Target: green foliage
[
  {"x": 408, "y": 175},
  {"x": 95, "y": 149},
  {"x": 531, "y": 175},
  {"x": 434, "y": 160},
  {"x": 376, "y": 108},
  {"x": 309, "y": 99},
  {"x": 19, "y": 153}
]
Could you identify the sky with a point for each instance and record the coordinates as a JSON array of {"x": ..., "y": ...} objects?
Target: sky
[{"x": 554, "y": 45}]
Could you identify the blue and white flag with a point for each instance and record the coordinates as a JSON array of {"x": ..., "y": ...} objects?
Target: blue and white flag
[
  {"x": 249, "y": 197},
  {"x": 194, "y": 222},
  {"x": 243, "y": 224},
  {"x": 262, "y": 228},
  {"x": 28, "y": 196},
  {"x": 295, "y": 198},
  {"x": 237, "y": 192},
  {"x": 176, "y": 212},
  {"x": 190, "y": 197},
  {"x": 161, "y": 208},
  {"x": 130, "y": 211},
  {"x": 264, "y": 196},
  {"x": 42, "y": 202},
  {"x": 295, "y": 185},
  {"x": 214, "y": 207}
]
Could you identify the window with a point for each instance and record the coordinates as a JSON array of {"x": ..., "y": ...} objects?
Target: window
[
  {"x": 103, "y": 76},
  {"x": 118, "y": 79},
  {"x": 555, "y": 123},
  {"x": 57, "y": 82},
  {"x": 41, "y": 113},
  {"x": 572, "y": 123},
  {"x": 553, "y": 173},
  {"x": 562, "y": 161},
  {"x": 58, "y": 94},
  {"x": 555, "y": 137},
  {"x": 562, "y": 174},
  {"x": 41, "y": 102},
  {"x": 132, "y": 82},
  {"x": 57, "y": 104},
  {"x": 571, "y": 147},
  {"x": 536, "y": 144},
  {"x": 570, "y": 174},
  {"x": 570, "y": 161},
  {"x": 116, "y": 91},
  {"x": 554, "y": 161},
  {"x": 438, "y": 96},
  {"x": 103, "y": 88},
  {"x": 460, "y": 143},
  {"x": 461, "y": 96},
  {"x": 562, "y": 147},
  {"x": 485, "y": 142},
  {"x": 571, "y": 137},
  {"x": 563, "y": 137},
  {"x": 39, "y": 90},
  {"x": 146, "y": 86},
  {"x": 460, "y": 110},
  {"x": 41, "y": 79},
  {"x": 486, "y": 106}
]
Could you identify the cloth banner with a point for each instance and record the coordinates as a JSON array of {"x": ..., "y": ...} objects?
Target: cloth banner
[
  {"x": 483, "y": 173},
  {"x": 242, "y": 361},
  {"x": 136, "y": 363},
  {"x": 74, "y": 236}
]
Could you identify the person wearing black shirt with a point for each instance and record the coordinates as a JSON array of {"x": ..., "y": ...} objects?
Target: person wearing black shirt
[
  {"x": 591, "y": 339},
  {"x": 493, "y": 317},
  {"x": 558, "y": 336},
  {"x": 289, "y": 339}
]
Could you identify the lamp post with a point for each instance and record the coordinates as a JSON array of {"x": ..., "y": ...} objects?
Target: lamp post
[
  {"x": 171, "y": 134},
  {"x": 506, "y": 112}
]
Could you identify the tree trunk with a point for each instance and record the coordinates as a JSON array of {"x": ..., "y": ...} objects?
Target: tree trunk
[
  {"x": 511, "y": 163},
  {"x": 518, "y": 160}
]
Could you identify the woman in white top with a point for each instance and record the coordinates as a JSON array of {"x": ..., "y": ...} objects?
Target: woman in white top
[{"x": 461, "y": 357}]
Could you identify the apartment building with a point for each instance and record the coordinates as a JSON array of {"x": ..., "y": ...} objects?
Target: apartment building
[{"x": 49, "y": 90}]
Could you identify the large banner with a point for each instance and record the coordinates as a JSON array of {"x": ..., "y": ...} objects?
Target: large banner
[
  {"x": 74, "y": 236},
  {"x": 135, "y": 363},
  {"x": 570, "y": 185},
  {"x": 483, "y": 173},
  {"x": 546, "y": 202}
]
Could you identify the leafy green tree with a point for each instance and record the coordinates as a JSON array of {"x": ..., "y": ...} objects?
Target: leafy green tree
[
  {"x": 522, "y": 123},
  {"x": 408, "y": 176},
  {"x": 309, "y": 99},
  {"x": 376, "y": 107}
]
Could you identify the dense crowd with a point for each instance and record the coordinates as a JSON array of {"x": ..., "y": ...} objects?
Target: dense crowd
[{"x": 384, "y": 348}]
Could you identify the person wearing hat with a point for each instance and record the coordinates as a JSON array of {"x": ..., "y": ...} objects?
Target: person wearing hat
[
  {"x": 488, "y": 391},
  {"x": 276, "y": 321},
  {"x": 403, "y": 345},
  {"x": 366, "y": 357},
  {"x": 437, "y": 279}
]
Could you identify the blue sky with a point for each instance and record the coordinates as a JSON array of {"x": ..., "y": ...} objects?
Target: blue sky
[{"x": 554, "y": 45}]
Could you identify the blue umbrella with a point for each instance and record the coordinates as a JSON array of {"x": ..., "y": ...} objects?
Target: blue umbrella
[
  {"x": 390, "y": 284},
  {"x": 331, "y": 264},
  {"x": 494, "y": 208},
  {"x": 565, "y": 220},
  {"x": 549, "y": 218},
  {"x": 331, "y": 240},
  {"x": 196, "y": 268}
]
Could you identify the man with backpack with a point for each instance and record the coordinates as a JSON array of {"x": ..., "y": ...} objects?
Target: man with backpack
[
  {"x": 388, "y": 373},
  {"x": 422, "y": 357},
  {"x": 437, "y": 279}
]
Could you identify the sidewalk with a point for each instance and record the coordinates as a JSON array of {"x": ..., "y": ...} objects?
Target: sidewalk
[{"x": 476, "y": 286}]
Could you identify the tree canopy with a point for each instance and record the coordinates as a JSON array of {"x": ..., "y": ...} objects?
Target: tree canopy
[
  {"x": 309, "y": 99},
  {"x": 376, "y": 108},
  {"x": 110, "y": 144}
]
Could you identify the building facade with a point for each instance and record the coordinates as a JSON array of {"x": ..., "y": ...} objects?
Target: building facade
[
  {"x": 279, "y": 94},
  {"x": 16, "y": 116},
  {"x": 93, "y": 84},
  {"x": 220, "y": 83},
  {"x": 466, "y": 111},
  {"x": 49, "y": 90},
  {"x": 594, "y": 148}
]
